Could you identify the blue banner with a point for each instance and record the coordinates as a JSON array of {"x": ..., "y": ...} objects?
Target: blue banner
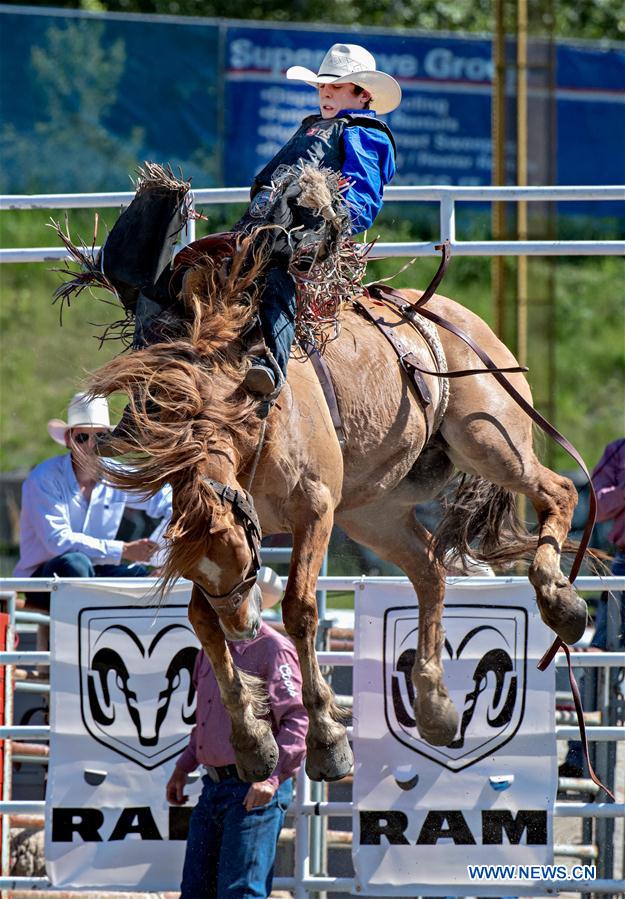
[
  {"x": 98, "y": 94},
  {"x": 591, "y": 120},
  {"x": 442, "y": 127}
]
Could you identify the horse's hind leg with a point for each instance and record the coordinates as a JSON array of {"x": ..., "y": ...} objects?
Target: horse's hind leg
[
  {"x": 392, "y": 531},
  {"x": 328, "y": 754},
  {"x": 501, "y": 452},
  {"x": 554, "y": 499},
  {"x": 252, "y": 740}
]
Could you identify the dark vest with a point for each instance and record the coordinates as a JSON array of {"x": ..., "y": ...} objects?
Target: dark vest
[{"x": 318, "y": 140}]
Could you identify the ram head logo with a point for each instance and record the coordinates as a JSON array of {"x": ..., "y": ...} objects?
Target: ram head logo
[
  {"x": 485, "y": 667},
  {"x": 137, "y": 692}
]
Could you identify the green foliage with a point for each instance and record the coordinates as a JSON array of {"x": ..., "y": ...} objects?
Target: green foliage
[
  {"x": 70, "y": 136},
  {"x": 592, "y": 19},
  {"x": 42, "y": 362}
]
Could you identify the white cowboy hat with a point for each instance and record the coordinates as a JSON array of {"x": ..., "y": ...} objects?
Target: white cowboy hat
[
  {"x": 82, "y": 412},
  {"x": 351, "y": 64}
]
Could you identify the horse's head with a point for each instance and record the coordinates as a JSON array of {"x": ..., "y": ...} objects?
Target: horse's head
[{"x": 226, "y": 575}]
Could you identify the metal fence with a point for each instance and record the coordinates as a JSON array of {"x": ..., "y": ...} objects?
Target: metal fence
[
  {"x": 305, "y": 809},
  {"x": 446, "y": 198}
]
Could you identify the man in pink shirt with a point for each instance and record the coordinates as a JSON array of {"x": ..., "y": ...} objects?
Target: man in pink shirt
[
  {"x": 608, "y": 479},
  {"x": 234, "y": 828}
]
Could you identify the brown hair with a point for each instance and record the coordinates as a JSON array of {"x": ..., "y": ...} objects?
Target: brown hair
[
  {"x": 187, "y": 402},
  {"x": 358, "y": 90}
]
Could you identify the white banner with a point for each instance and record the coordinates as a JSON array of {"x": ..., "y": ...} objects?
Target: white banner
[
  {"x": 422, "y": 814},
  {"x": 122, "y": 707}
]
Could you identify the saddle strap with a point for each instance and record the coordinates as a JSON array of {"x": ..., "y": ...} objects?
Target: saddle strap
[
  {"x": 389, "y": 293},
  {"x": 327, "y": 385},
  {"x": 407, "y": 359},
  {"x": 408, "y": 310},
  {"x": 396, "y": 297}
]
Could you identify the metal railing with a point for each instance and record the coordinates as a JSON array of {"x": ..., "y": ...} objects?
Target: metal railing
[
  {"x": 305, "y": 809},
  {"x": 447, "y": 197}
]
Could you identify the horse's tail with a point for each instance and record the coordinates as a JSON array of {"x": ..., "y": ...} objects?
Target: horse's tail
[
  {"x": 480, "y": 521},
  {"x": 179, "y": 413}
]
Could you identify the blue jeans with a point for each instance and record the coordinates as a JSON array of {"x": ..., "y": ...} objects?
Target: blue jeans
[
  {"x": 77, "y": 564},
  {"x": 601, "y": 624},
  {"x": 575, "y": 754},
  {"x": 231, "y": 852},
  {"x": 277, "y": 312}
]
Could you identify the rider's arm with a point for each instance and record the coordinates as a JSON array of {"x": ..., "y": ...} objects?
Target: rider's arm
[{"x": 369, "y": 165}]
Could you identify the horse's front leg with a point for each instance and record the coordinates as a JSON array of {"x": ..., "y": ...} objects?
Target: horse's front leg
[
  {"x": 252, "y": 739},
  {"x": 435, "y": 715},
  {"x": 328, "y": 756}
]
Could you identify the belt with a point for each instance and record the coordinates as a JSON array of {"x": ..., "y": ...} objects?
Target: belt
[{"x": 221, "y": 772}]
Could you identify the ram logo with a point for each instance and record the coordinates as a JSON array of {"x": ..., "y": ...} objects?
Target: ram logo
[
  {"x": 136, "y": 679},
  {"x": 485, "y": 662}
]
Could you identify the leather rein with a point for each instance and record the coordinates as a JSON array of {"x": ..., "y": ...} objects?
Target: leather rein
[{"x": 409, "y": 311}]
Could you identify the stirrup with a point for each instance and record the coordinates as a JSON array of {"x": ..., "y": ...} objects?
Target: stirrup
[
  {"x": 264, "y": 377},
  {"x": 260, "y": 378}
]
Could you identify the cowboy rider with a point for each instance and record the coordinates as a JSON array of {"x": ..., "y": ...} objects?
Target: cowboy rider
[{"x": 344, "y": 136}]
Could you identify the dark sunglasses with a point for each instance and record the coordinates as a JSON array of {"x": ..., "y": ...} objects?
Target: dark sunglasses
[{"x": 84, "y": 437}]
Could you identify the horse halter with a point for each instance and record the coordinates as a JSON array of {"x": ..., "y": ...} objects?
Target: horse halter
[{"x": 244, "y": 511}]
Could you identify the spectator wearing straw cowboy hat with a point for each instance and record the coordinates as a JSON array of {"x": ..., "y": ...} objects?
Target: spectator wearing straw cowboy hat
[
  {"x": 69, "y": 519},
  {"x": 234, "y": 828}
]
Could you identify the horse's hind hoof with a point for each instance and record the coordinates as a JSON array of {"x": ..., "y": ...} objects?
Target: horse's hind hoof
[
  {"x": 330, "y": 762},
  {"x": 437, "y": 722},
  {"x": 565, "y": 612},
  {"x": 258, "y": 763}
]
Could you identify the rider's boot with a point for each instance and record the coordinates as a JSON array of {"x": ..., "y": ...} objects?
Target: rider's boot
[
  {"x": 141, "y": 243},
  {"x": 264, "y": 378}
]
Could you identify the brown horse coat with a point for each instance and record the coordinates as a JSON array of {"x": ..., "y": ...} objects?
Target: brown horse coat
[{"x": 205, "y": 426}]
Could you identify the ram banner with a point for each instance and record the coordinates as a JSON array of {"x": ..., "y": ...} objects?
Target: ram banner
[
  {"x": 423, "y": 814},
  {"x": 122, "y": 707}
]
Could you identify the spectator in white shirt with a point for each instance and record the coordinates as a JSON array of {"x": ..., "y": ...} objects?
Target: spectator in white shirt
[{"x": 69, "y": 520}]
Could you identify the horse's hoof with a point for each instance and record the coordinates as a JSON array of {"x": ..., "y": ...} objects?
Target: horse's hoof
[
  {"x": 437, "y": 721},
  {"x": 330, "y": 762},
  {"x": 258, "y": 763},
  {"x": 566, "y": 613}
]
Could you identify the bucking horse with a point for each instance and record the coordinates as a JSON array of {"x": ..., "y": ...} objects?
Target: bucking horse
[{"x": 403, "y": 427}]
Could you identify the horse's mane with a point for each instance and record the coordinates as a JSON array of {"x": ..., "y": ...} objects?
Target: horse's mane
[{"x": 186, "y": 400}]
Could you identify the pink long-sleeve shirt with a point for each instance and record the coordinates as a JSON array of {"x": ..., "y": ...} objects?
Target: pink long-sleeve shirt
[
  {"x": 272, "y": 657},
  {"x": 608, "y": 479}
]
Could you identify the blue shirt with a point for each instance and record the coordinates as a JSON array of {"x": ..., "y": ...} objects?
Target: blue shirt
[
  {"x": 369, "y": 165},
  {"x": 57, "y": 519}
]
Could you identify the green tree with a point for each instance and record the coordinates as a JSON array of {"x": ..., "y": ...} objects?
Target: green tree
[
  {"x": 592, "y": 19},
  {"x": 71, "y": 136}
]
